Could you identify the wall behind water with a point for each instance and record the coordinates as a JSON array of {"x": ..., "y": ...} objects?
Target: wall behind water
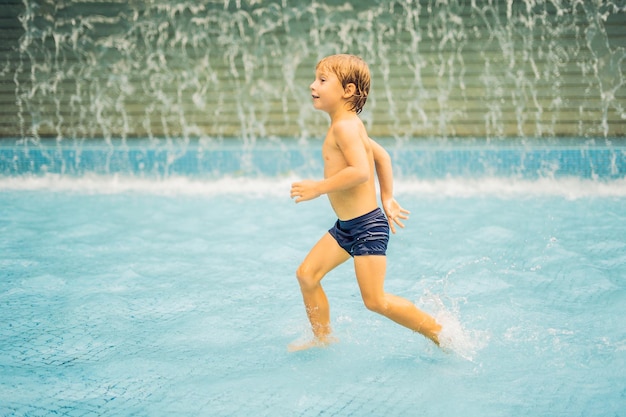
[{"x": 182, "y": 69}]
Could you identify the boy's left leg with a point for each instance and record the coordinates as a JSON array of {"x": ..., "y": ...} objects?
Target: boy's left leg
[
  {"x": 323, "y": 257},
  {"x": 370, "y": 273}
]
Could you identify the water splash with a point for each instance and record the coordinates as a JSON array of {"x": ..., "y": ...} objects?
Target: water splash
[
  {"x": 446, "y": 309},
  {"x": 455, "y": 337}
]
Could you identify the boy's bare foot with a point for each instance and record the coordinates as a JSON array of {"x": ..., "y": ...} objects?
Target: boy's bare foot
[
  {"x": 314, "y": 343},
  {"x": 435, "y": 338},
  {"x": 433, "y": 334}
]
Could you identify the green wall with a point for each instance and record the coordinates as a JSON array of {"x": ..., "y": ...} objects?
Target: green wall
[{"x": 217, "y": 69}]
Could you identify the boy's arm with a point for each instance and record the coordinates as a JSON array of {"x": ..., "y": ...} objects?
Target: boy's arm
[
  {"x": 354, "y": 173},
  {"x": 384, "y": 172}
]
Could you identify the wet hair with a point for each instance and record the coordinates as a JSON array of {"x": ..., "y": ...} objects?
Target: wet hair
[{"x": 349, "y": 69}]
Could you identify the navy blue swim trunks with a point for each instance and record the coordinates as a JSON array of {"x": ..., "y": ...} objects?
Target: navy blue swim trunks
[{"x": 366, "y": 235}]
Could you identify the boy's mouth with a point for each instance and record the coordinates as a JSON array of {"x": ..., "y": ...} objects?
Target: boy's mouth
[{"x": 314, "y": 96}]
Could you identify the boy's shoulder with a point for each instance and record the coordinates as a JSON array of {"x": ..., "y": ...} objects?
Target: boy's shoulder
[{"x": 349, "y": 126}]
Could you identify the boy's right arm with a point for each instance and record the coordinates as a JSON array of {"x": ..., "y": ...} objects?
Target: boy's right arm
[{"x": 384, "y": 172}]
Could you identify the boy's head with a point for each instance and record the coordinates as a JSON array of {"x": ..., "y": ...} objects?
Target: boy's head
[{"x": 349, "y": 69}]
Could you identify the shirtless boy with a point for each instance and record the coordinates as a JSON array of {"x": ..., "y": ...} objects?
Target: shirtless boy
[{"x": 351, "y": 159}]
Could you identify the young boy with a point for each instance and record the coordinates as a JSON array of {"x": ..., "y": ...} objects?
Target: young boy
[{"x": 351, "y": 159}]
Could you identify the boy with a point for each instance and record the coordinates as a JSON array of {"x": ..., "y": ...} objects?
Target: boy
[{"x": 351, "y": 158}]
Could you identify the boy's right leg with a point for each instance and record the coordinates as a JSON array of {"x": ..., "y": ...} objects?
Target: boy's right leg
[
  {"x": 323, "y": 257},
  {"x": 370, "y": 273}
]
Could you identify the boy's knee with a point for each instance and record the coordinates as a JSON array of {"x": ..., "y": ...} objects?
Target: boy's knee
[
  {"x": 375, "y": 304},
  {"x": 306, "y": 277}
]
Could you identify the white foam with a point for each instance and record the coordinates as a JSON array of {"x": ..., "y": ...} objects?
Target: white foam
[
  {"x": 569, "y": 188},
  {"x": 171, "y": 186},
  {"x": 454, "y": 336}
]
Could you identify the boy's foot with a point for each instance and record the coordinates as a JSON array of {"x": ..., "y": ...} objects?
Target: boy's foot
[
  {"x": 434, "y": 337},
  {"x": 314, "y": 343},
  {"x": 433, "y": 333}
]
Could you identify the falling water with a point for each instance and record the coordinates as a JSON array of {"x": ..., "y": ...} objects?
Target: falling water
[{"x": 178, "y": 70}]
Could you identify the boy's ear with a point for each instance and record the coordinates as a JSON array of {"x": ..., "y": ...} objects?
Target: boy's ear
[{"x": 349, "y": 91}]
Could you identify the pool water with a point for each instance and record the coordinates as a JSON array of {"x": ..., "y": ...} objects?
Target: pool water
[{"x": 152, "y": 297}]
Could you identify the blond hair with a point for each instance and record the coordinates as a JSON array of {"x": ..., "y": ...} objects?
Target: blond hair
[{"x": 349, "y": 69}]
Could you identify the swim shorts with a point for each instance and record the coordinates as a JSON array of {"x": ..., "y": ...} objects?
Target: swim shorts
[{"x": 365, "y": 235}]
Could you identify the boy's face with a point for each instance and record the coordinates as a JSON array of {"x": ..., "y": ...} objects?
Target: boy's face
[{"x": 326, "y": 91}]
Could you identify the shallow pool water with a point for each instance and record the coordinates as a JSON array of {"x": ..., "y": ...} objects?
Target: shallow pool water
[{"x": 178, "y": 298}]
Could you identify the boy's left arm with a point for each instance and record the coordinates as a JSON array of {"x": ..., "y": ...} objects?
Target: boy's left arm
[
  {"x": 384, "y": 171},
  {"x": 355, "y": 171}
]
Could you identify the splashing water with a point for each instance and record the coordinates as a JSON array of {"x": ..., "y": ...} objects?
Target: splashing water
[{"x": 455, "y": 337}]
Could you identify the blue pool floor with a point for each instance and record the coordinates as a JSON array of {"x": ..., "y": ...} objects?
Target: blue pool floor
[{"x": 140, "y": 304}]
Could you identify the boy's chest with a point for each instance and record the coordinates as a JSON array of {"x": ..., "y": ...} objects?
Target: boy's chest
[{"x": 333, "y": 157}]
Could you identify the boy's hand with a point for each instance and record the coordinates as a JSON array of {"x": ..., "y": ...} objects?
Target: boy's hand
[
  {"x": 305, "y": 190},
  {"x": 394, "y": 213}
]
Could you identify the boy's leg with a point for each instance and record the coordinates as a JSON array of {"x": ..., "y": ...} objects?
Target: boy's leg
[
  {"x": 323, "y": 257},
  {"x": 370, "y": 273}
]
